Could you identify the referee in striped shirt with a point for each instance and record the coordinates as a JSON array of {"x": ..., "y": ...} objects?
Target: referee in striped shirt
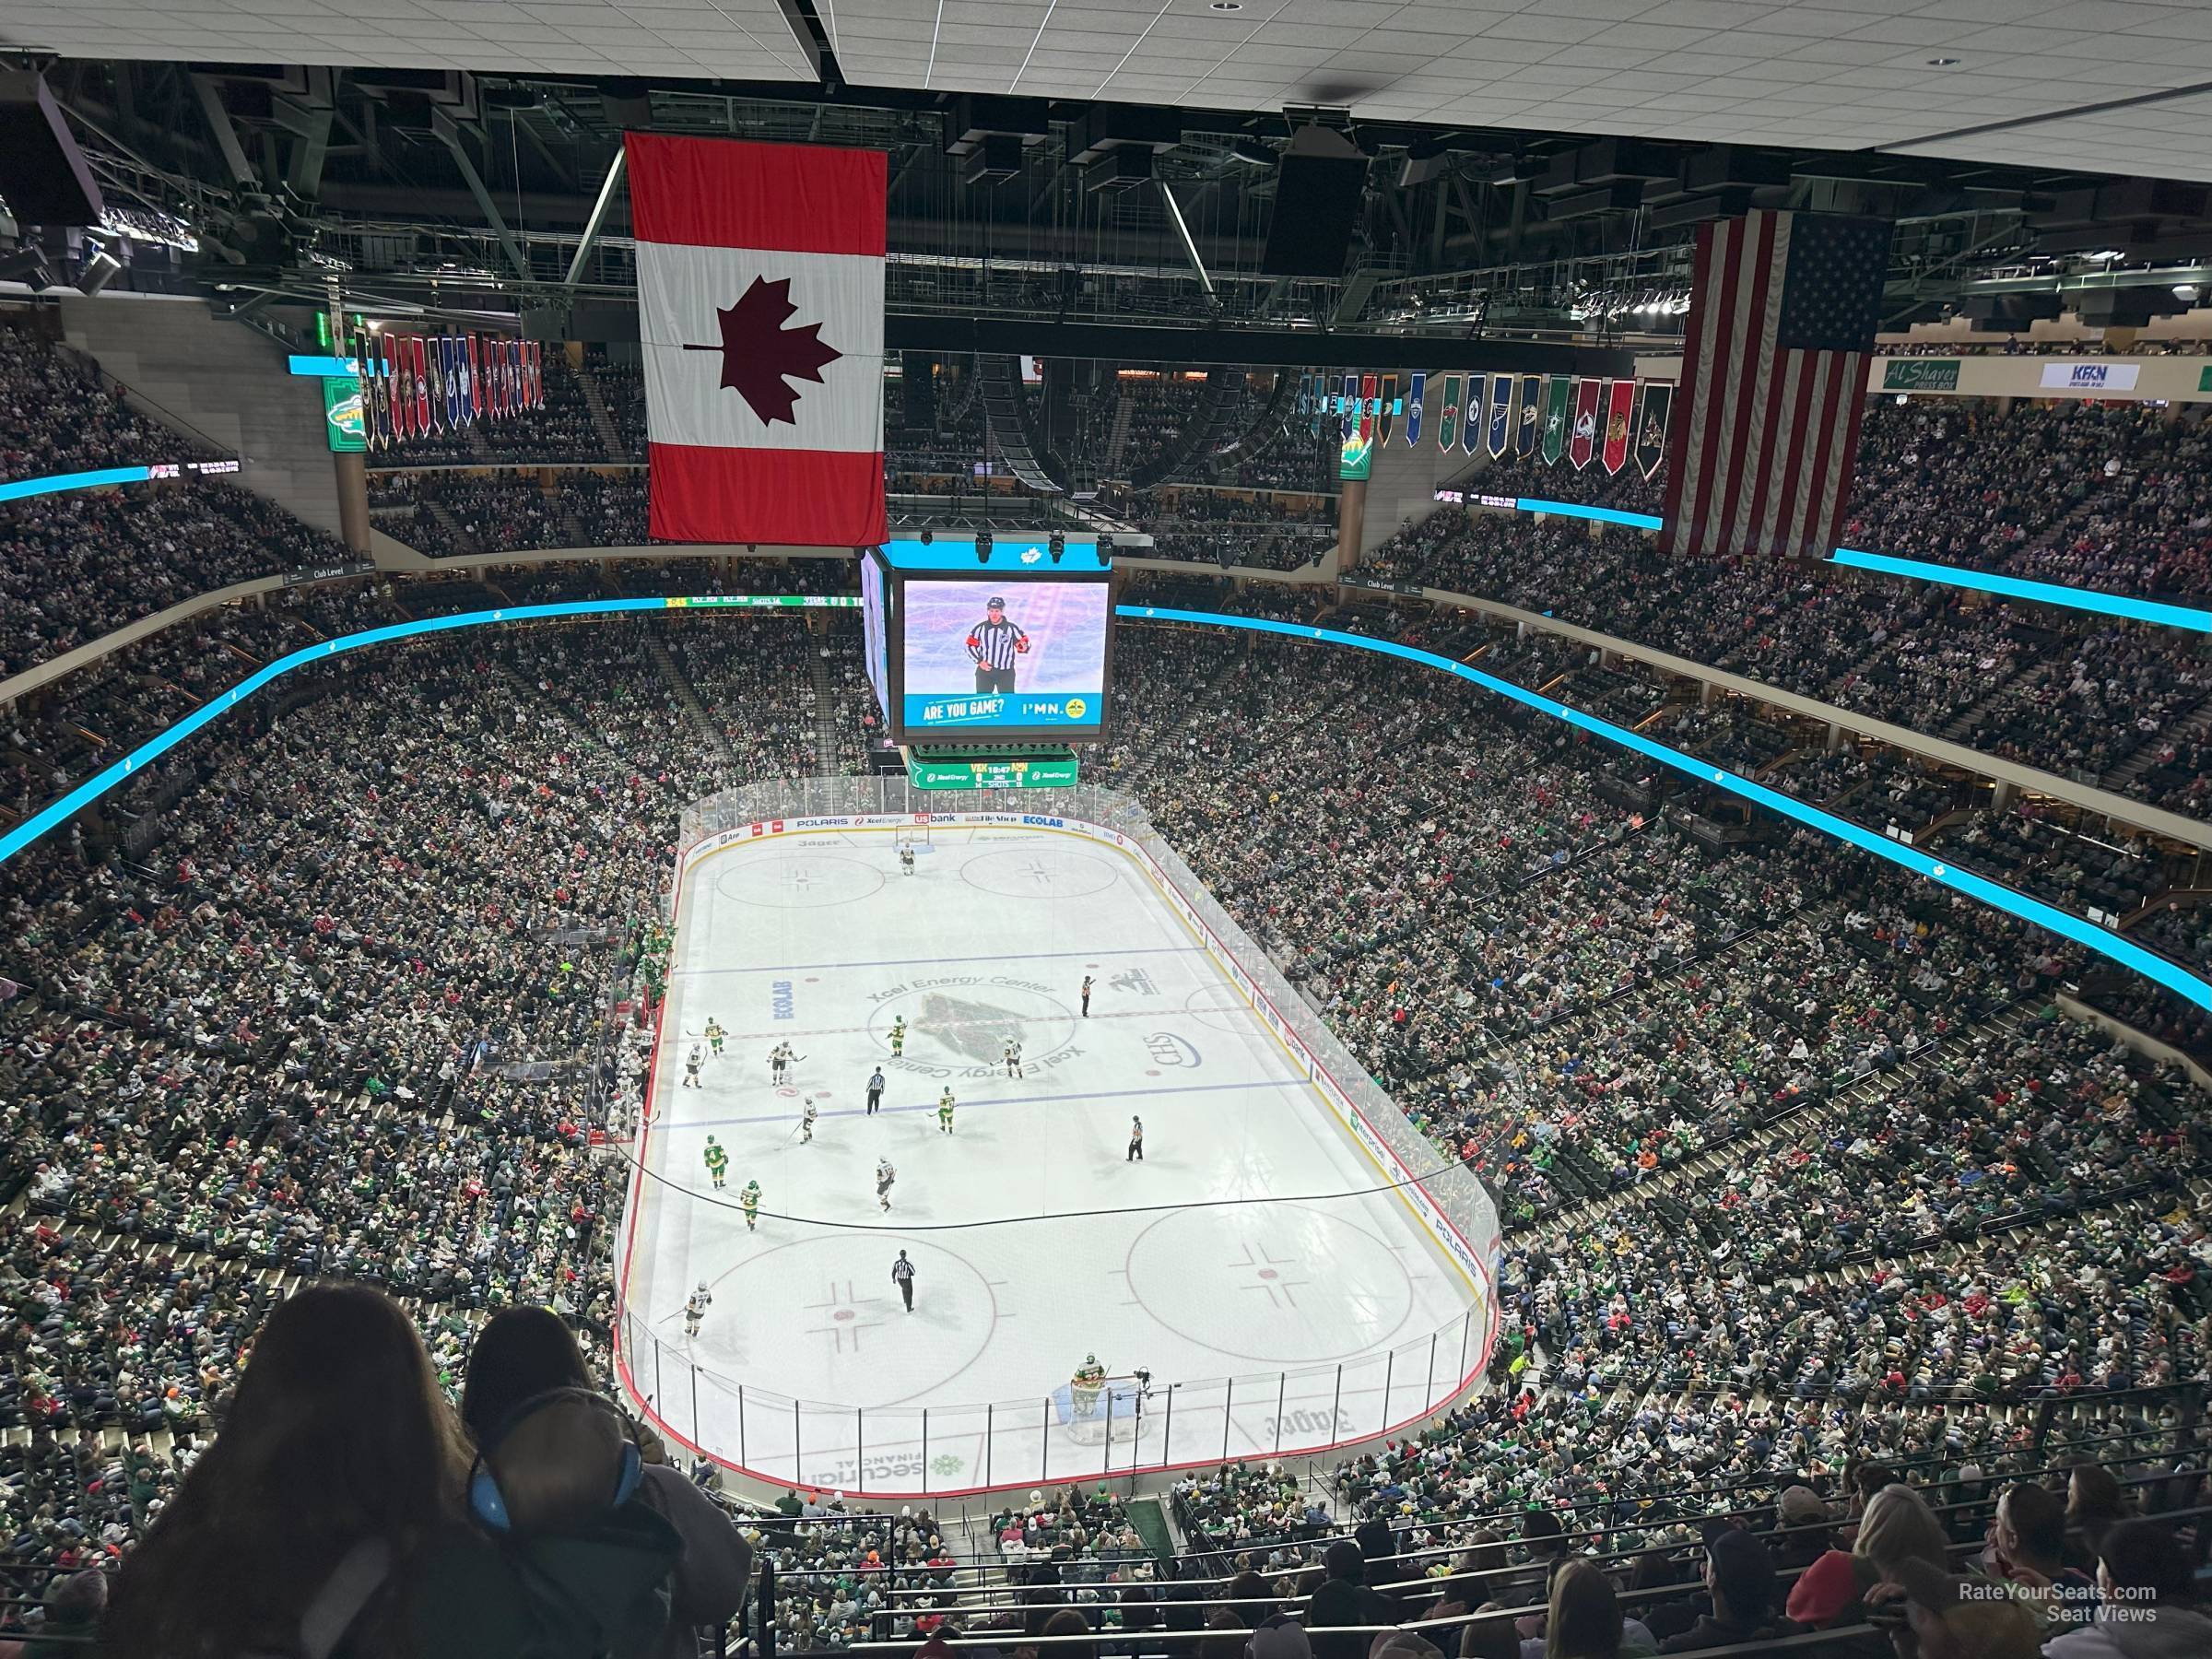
[{"x": 992, "y": 645}]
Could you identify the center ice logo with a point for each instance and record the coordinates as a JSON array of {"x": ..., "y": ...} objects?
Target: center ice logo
[{"x": 976, "y": 1032}]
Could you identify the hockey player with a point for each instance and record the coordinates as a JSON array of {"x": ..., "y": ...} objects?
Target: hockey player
[
  {"x": 691, "y": 1063},
  {"x": 885, "y": 1175},
  {"x": 714, "y": 1035},
  {"x": 750, "y": 1198},
  {"x": 906, "y": 861},
  {"x": 945, "y": 1110},
  {"x": 696, "y": 1309},
  {"x": 778, "y": 1058},
  {"x": 1013, "y": 1056},
  {"x": 897, "y": 1036},
  {"x": 718, "y": 1162},
  {"x": 807, "y": 1120}
]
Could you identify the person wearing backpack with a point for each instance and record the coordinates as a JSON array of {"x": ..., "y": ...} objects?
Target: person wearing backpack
[{"x": 525, "y": 1358}]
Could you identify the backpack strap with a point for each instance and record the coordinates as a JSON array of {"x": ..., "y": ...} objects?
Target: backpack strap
[{"x": 360, "y": 1573}]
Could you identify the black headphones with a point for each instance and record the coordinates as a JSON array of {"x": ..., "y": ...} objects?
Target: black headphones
[{"x": 488, "y": 1504}]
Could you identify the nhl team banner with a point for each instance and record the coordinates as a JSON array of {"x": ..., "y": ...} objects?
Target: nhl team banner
[
  {"x": 1387, "y": 409},
  {"x": 476, "y": 410},
  {"x": 1501, "y": 414},
  {"x": 761, "y": 312},
  {"x": 1347, "y": 410},
  {"x": 1447, "y": 426},
  {"x": 1556, "y": 393},
  {"x": 1371, "y": 391},
  {"x": 1620, "y": 407},
  {"x": 452, "y": 381},
  {"x": 1470, "y": 417},
  {"x": 1531, "y": 424},
  {"x": 1587, "y": 394},
  {"x": 1412, "y": 408},
  {"x": 1651, "y": 426},
  {"x": 420, "y": 359}
]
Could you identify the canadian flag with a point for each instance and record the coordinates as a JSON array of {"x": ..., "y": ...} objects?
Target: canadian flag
[{"x": 760, "y": 307}]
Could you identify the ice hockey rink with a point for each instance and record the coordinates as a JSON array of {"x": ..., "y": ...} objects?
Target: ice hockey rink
[{"x": 1271, "y": 1311}]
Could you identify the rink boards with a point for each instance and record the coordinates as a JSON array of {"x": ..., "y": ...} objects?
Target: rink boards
[{"x": 1192, "y": 1422}]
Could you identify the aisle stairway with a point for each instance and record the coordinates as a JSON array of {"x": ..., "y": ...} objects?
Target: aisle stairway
[
  {"x": 686, "y": 696},
  {"x": 602, "y": 423},
  {"x": 221, "y": 381},
  {"x": 826, "y": 764}
]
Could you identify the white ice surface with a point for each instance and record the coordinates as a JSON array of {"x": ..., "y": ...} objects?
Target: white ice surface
[{"x": 1225, "y": 1264}]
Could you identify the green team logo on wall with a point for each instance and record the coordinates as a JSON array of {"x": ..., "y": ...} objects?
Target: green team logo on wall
[
  {"x": 342, "y": 415},
  {"x": 1920, "y": 374}
]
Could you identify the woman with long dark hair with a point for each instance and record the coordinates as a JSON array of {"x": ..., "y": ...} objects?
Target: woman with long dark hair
[{"x": 337, "y": 1457}]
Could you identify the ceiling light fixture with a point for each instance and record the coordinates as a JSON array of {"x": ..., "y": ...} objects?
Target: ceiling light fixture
[
  {"x": 1228, "y": 4},
  {"x": 1943, "y": 63}
]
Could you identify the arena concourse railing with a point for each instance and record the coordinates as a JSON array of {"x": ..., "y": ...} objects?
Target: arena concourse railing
[{"x": 1172, "y": 1422}]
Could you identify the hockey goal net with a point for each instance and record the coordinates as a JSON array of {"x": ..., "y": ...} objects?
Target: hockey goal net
[{"x": 1116, "y": 1409}]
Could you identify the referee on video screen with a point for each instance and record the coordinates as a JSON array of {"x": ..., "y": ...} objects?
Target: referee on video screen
[{"x": 992, "y": 645}]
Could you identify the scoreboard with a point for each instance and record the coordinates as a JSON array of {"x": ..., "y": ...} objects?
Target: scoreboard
[{"x": 1014, "y": 646}]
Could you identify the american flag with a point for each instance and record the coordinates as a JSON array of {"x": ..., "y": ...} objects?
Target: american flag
[{"x": 1766, "y": 428}]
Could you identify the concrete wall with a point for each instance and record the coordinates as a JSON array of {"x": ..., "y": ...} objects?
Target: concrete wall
[{"x": 220, "y": 380}]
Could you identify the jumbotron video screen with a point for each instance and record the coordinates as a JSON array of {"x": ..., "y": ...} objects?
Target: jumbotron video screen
[{"x": 1014, "y": 654}]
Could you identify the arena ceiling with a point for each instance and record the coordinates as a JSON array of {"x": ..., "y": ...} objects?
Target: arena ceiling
[{"x": 2122, "y": 86}]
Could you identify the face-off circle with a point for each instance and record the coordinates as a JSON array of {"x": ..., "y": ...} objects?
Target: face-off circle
[{"x": 798, "y": 880}]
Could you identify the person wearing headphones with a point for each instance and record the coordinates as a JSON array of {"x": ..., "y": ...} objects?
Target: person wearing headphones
[{"x": 598, "y": 1532}]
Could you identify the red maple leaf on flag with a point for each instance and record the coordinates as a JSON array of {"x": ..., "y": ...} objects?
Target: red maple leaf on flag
[{"x": 760, "y": 356}]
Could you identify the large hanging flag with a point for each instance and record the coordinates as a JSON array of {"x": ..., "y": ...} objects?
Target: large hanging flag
[
  {"x": 1347, "y": 410},
  {"x": 1412, "y": 408},
  {"x": 1765, "y": 430},
  {"x": 1651, "y": 426},
  {"x": 1447, "y": 426},
  {"x": 477, "y": 410},
  {"x": 1587, "y": 394},
  {"x": 1531, "y": 424},
  {"x": 1620, "y": 408},
  {"x": 1470, "y": 417},
  {"x": 1371, "y": 391},
  {"x": 760, "y": 307},
  {"x": 1387, "y": 409},
  {"x": 537, "y": 374},
  {"x": 1501, "y": 414},
  {"x": 1557, "y": 391}
]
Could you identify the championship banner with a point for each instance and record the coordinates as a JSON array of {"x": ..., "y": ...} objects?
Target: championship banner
[
  {"x": 1501, "y": 414},
  {"x": 1412, "y": 408},
  {"x": 1386, "y": 411},
  {"x": 761, "y": 312},
  {"x": 1620, "y": 407},
  {"x": 1556, "y": 393},
  {"x": 1531, "y": 423},
  {"x": 1447, "y": 426},
  {"x": 1584, "y": 445},
  {"x": 1651, "y": 426}
]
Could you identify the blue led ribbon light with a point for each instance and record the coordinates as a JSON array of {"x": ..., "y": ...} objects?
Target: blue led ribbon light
[
  {"x": 55, "y": 483},
  {"x": 2192, "y": 618},
  {"x": 2102, "y": 940}
]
